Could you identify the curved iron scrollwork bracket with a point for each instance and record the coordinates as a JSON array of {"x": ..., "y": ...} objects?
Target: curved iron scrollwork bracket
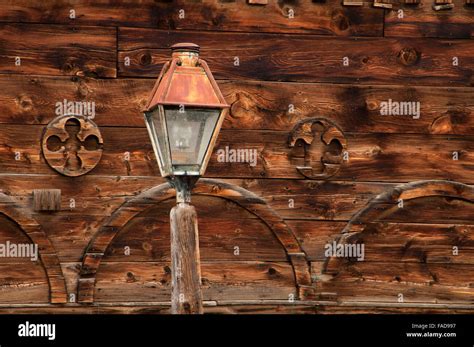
[{"x": 330, "y": 148}]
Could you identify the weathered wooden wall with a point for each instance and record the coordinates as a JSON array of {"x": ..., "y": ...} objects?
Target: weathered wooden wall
[{"x": 291, "y": 69}]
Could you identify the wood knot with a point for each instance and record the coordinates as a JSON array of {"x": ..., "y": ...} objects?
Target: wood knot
[
  {"x": 131, "y": 277},
  {"x": 25, "y": 102},
  {"x": 147, "y": 246},
  {"x": 340, "y": 20},
  {"x": 68, "y": 67},
  {"x": 83, "y": 89},
  {"x": 243, "y": 106},
  {"x": 272, "y": 271},
  {"x": 373, "y": 152},
  {"x": 371, "y": 105},
  {"x": 142, "y": 103},
  {"x": 442, "y": 125},
  {"x": 408, "y": 56},
  {"x": 215, "y": 189},
  {"x": 145, "y": 59},
  {"x": 167, "y": 270}
]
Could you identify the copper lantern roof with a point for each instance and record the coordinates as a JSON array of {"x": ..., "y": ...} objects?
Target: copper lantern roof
[{"x": 186, "y": 80}]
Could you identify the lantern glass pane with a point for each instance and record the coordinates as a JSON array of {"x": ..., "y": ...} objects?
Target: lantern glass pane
[
  {"x": 190, "y": 130},
  {"x": 155, "y": 122}
]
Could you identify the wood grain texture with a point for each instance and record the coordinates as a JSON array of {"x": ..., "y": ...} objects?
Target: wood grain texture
[
  {"x": 372, "y": 157},
  {"x": 382, "y": 205},
  {"x": 99, "y": 196},
  {"x": 326, "y": 18},
  {"x": 25, "y": 283},
  {"x": 186, "y": 294},
  {"x": 118, "y": 282},
  {"x": 47, "y": 199},
  {"x": 290, "y": 70},
  {"x": 58, "y": 50},
  {"x": 47, "y": 257},
  {"x": 392, "y": 242},
  {"x": 306, "y": 58},
  {"x": 255, "y": 105},
  {"x": 248, "y": 307},
  {"x": 420, "y": 262},
  {"x": 422, "y": 21},
  {"x": 245, "y": 199}
]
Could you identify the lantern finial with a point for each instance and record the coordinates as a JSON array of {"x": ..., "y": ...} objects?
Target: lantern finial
[{"x": 187, "y": 53}]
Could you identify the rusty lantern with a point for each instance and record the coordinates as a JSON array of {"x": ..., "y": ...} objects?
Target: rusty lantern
[
  {"x": 184, "y": 113},
  {"x": 183, "y": 118}
]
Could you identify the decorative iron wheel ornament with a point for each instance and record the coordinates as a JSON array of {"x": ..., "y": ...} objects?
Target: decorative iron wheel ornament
[
  {"x": 324, "y": 147},
  {"x": 72, "y": 145}
]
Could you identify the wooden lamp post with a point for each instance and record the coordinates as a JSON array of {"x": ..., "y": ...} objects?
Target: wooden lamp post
[{"x": 183, "y": 117}]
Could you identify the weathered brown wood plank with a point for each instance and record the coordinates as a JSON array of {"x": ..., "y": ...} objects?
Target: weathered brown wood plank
[
  {"x": 148, "y": 236},
  {"x": 255, "y": 105},
  {"x": 384, "y": 281},
  {"x": 98, "y": 195},
  {"x": 409, "y": 273},
  {"x": 57, "y": 50},
  {"x": 151, "y": 281},
  {"x": 423, "y": 21},
  {"x": 23, "y": 283},
  {"x": 304, "y": 58},
  {"x": 372, "y": 157},
  {"x": 248, "y": 307},
  {"x": 392, "y": 242},
  {"x": 325, "y": 18},
  {"x": 219, "y": 239}
]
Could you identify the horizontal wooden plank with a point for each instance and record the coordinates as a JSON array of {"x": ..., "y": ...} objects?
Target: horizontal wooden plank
[
  {"x": 422, "y": 20},
  {"x": 98, "y": 195},
  {"x": 366, "y": 291},
  {"x": 83, "y": 187},
  {"x": 322, "y": 18},
  {"x": 391, "y": 242},
  {"x": 372, "y": 157},
  {"x": 430, "y": 283},
  {"x": 57, "y": 50},
  {"x": 221, "y": 281},
  {"x": 440, "y": 209},
  {"x": 304, "y": 58},
  {"x": 246, "y": 307},
  {"x": 255, "y": 105},
  {"x": 409, "y": 273},
  {"x": 23, "y": 283},
  {"x": 35, "y": 100},
  {"x": 71, "y": 229},
  {"x": 355, "y": 108}
]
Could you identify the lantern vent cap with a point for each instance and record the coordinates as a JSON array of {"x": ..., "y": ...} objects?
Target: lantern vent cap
[{"x": 185, "y": 47}]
